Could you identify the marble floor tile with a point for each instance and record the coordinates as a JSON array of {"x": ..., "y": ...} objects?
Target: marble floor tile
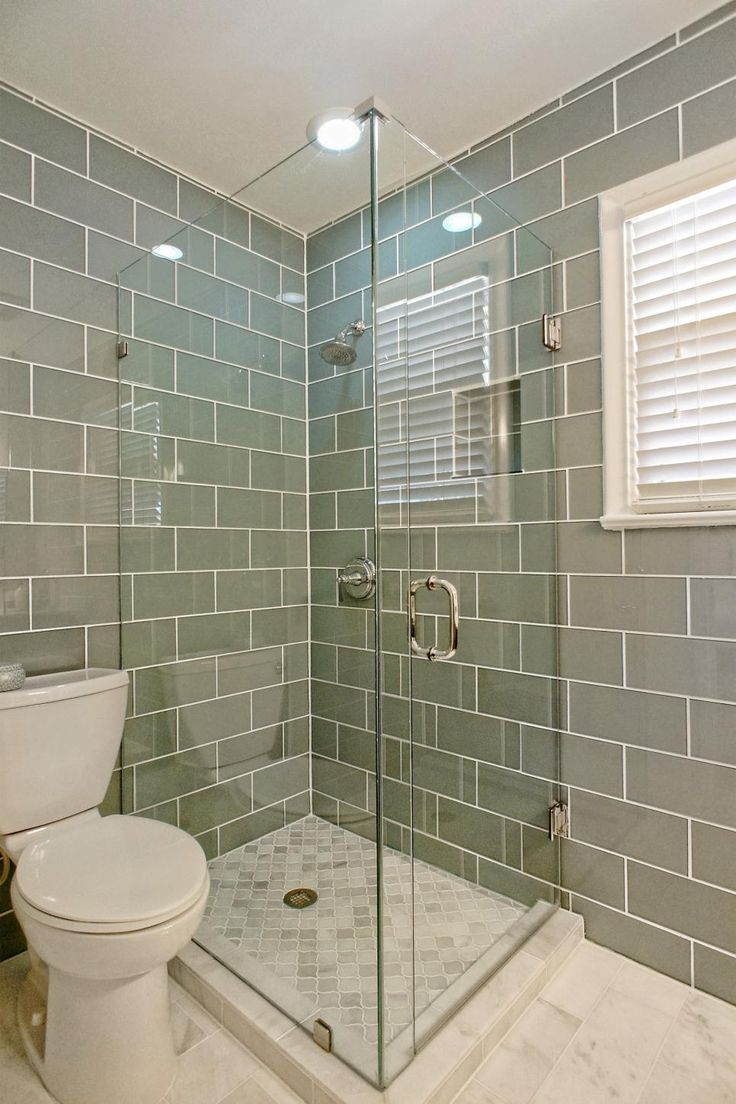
[
  {"x": 12, "y": 972},
  {"x": 521, "y": 1062},
  {"x": 475, "y": 1093},
  {"x": 702, "y": 1046},
  {"x": 262, "y": 1088},
  {"x": 668, "y": 1086},
  {"x": 193, "y": 1011},
  {"x": 610, "y": 1057},
  {"x": 584, "y": 979},
  {"x": 656, "y": 990},
  {"x": 18, "y": 1082},
  {"x": 210, "y": 1070},
  {"x": 187, "y": 1033}
]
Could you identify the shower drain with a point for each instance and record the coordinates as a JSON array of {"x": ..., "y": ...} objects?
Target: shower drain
[{"x": 300, "y": 898}]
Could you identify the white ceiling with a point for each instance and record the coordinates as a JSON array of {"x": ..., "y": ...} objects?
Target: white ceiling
[{"x": 223, "y": 89}]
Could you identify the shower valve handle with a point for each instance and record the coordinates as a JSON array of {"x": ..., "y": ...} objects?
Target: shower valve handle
[
  {"x": 351, "y": 579},
  {"x": 358, "y": 578}
]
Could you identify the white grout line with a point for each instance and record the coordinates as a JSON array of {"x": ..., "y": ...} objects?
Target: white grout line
[{"x": 332, "y": 266}]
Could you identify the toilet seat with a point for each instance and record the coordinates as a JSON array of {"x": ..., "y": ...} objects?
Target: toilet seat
[{"x": 114, "y": 874}]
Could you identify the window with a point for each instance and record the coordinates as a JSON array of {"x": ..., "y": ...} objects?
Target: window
[
  {"x": 669, "y": 345},
  {"x": 455, "y": 417},
  {"x": 444, "y": 335}
]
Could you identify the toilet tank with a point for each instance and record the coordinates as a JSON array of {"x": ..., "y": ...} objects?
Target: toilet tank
[{"x": 59, "y": 740}]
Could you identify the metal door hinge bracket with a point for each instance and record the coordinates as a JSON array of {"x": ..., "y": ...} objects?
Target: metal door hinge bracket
[
  {"x": 382, "y": 110},
  {"x": 322, "y": 1035},
  {"x": 551, "y": 332},
  {"x": 559, "y": 819},
  {"x": 121, "y": 349}
]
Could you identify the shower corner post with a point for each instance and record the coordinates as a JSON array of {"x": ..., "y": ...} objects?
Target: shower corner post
[
  {"x": 560, "y": 807},
  {"x": 374, "y": 117},
  {"x": 121, "y": 352}
]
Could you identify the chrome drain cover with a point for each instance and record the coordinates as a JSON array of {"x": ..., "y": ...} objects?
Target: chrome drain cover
[{"x": 300, "y": 898}]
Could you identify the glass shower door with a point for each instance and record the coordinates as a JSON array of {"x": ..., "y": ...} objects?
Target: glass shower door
[
  {"x": 252, "y": 713},
  {"x": 469, "y": 640}
]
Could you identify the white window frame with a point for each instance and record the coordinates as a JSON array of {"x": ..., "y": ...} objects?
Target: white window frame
[{"x": 657, "y": 189}]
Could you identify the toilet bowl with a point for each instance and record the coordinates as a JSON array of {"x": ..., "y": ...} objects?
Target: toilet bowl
[{"x": 105, "y": 905}]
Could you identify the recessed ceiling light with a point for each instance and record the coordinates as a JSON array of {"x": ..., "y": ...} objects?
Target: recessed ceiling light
[
  {"x": 460, "y": 221},
  {"x": 294, "y": 297},
  {"x": 168, "y": 252},
  {"x": 335, "y": 130}
]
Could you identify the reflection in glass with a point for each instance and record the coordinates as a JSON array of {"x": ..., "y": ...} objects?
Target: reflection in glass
[{"x": 389, "y": 785}]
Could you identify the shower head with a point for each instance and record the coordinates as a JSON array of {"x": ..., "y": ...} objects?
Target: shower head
[{"x": 340, "y": 351}]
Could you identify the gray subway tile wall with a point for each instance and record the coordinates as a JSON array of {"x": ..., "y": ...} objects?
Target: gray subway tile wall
[
  {"x": 647, "y": 642},
  {"x": 203, "y": 592},
  {"x": 215, "y": 587},
  {"x": 227, "y": 428}
]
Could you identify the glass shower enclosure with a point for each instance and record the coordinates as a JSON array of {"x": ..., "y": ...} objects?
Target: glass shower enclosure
[{"x": 338, "y": 552}]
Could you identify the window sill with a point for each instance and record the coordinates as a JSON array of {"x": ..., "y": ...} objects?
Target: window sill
[{"x": 701, "y": 518}]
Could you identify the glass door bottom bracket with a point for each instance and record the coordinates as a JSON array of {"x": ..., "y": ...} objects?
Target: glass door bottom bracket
[{"x": 322, "y": 1035}]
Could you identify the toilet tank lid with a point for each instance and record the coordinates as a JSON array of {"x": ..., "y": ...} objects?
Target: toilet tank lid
[{"x": 63, "y": 684}]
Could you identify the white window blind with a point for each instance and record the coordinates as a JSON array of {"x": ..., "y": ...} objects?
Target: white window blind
[
  {"x": 681, "y": 323},
  {"x": 427, "y": 348}
]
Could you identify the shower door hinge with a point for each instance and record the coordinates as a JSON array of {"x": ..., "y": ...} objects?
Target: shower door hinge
[
  {"x": 559, "y": 820},
  {"x": 322, "y": 1035},
  {"x": 121, "y": 349},
  {"x": 551, "y": 332}
]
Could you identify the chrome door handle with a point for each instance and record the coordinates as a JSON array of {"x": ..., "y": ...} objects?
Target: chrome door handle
[{"x": 433, "y": 582}]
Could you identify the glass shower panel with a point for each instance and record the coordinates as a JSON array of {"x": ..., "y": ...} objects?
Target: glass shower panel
[
  {"x": 276, "y": 713},
  {"x": 467, "y": 506},
  {"x": 216, "y": 557},
  {"x": 395, "y": 803}
]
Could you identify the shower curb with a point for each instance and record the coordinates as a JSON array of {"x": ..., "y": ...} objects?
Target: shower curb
[{"x": 440, "y": 1069}]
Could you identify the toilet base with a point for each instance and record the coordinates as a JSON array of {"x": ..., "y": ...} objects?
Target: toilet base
[{"x": 102, "y": 1040}]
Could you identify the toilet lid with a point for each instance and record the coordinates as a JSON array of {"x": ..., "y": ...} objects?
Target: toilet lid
[{"x": 115, "y": 870}]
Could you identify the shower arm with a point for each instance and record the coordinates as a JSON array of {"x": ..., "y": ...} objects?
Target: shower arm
[{"x": 358, "y": 328}]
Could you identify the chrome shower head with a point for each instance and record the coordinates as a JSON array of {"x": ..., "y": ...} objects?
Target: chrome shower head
[{"x": 340, "y": 351}]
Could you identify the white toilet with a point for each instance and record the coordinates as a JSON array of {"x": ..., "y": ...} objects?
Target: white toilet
[{"x": 104, "y": 902}]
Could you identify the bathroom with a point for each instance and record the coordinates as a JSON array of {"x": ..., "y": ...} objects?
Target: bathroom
[{"x": 339, "y": 564}]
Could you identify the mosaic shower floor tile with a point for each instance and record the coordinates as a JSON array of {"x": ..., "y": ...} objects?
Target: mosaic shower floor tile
[{"x": 327, "y": 951}]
